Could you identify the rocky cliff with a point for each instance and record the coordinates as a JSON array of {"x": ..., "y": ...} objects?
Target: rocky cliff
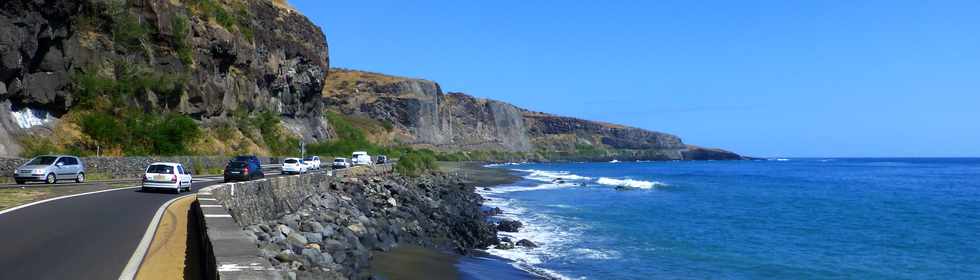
[
  {"x": 424, "y": 116},
  {"x": 203, "y": 58}
]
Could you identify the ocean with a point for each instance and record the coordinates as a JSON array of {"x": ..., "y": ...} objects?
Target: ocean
[{"x": 874, "y": 218}]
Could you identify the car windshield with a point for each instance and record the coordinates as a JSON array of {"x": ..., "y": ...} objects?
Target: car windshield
[
  {"x": 243, "y": 158},
  {"x": 308, "y": 158},
  {"x": 290, "y": 161},
  {"x": 236, "y": 164},
  {"x": 160, "y": 169},
  {"x": 339, "y": 160},
  {"x": 42, "y": 161}
]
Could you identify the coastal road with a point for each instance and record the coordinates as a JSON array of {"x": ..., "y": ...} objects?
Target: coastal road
[{"x": 85, "y": 237}]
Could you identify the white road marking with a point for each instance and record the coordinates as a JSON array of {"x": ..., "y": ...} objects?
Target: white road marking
[
  {"x": 217, "y": 216},
  {"x": 60, "y": 197},
  {"x": 207, "y": 199},
  {"x": 210, "y": 206}
]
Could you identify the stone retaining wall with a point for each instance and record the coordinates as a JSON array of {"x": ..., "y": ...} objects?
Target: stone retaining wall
[{"x": 317, "y": 226}]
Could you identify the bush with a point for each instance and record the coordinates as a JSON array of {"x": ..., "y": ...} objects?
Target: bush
[
  {"x": 130, "y": 80},
  {"x": 182, "y": 28},
  {"x": 349, "y": 139},
  {"x": 35, "y": 146},
  {"x": 127, "y": 30},
  {"x": 142, "y": 133},
  {"x": 416, "y": 162}
]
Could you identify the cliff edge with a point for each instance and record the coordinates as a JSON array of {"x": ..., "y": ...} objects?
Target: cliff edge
[{"x": 423, "y": 116}]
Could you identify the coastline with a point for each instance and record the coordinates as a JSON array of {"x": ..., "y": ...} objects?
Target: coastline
[{"x": 415, "y": 262}]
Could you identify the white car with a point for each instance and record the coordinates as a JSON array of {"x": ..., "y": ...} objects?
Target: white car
[
  {"x": 361, "y": 158},
  {"x": 293, "y": 166},
  {"x": 166, "y": 176},
  {"x": 313, "y": 162},
  {"x": 340, "y": 163}
]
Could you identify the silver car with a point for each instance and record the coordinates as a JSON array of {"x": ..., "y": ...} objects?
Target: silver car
[{"x": 51, "y": 169}]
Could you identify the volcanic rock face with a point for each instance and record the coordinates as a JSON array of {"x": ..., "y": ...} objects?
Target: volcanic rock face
[
  {"x": 267, "y": 59},
  {"x": 456, "y": 121},
  {"x": 424, "y": 115}
]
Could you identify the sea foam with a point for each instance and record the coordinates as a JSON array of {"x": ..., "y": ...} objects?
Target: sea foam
[{"x": 629, "y": 183}]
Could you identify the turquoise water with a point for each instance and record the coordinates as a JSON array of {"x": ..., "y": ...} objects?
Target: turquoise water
[{"x": 776, "y": 219}]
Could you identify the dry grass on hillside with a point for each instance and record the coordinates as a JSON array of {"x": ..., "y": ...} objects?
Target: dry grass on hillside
[{"x": 343, "y": 80}]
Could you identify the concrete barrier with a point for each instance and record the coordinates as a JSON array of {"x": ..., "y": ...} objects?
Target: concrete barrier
[{"x": 232, "y": 254}]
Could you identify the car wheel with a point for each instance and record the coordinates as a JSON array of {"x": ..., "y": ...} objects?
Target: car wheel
[
  {"x": 20, "y": 182},
  {"x": 80, "y": 178},
  {"x": 50, "y": 179},
  {"x": 179, "y": 187}
]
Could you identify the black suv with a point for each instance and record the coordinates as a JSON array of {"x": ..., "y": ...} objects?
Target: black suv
[
  {"x": 243, "y": 171},
  {"x": 249, "y": 159}
]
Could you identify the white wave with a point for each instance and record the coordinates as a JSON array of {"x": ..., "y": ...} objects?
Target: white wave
[
  {"x": 593, "y": 254},
  {"x": 779, "y": 159},
  {"x": 629, "y": 183},
  {"x": 504, "y": 164},
  {"x": 551, "y": 176},
  {"x": 550, "y": 234},
  {"x": 541, "y": 187},
  {"x": 614, "y": 161}
]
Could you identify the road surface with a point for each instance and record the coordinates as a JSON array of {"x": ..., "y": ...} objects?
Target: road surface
[{"x": 85, "y": 237}]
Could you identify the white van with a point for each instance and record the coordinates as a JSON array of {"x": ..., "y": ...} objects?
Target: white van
[{"x": 361, "y": 158}]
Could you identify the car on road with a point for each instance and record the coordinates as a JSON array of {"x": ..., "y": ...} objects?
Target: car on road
[
  {"x": 382, "y": 159},
  {"x": 340, "y": 163},
  {"x": 51, "y": 169},
  {"x": 248, "y": 158},
  {"x": 242, "y": 171},
  {"x": 313, "y": 162},
  {"x": 361, "y": 158},
  {"x": 294, "y": 166},
  {"x": 166, "y": 176}
]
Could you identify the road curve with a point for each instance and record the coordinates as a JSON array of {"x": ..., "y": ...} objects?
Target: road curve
[{"x": 85, "y": 237}]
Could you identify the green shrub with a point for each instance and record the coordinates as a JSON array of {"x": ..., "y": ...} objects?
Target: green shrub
[
  {"x": 35, "y": 146},
  {"x": 181, "y": 28},
  {"x": 416, "y": 162},
  {"x": 141, "y": 133},
  {"x": 212, "y": 9},
  {"x": 127, "y": 30},
  {"x": 130, "y": 80}
]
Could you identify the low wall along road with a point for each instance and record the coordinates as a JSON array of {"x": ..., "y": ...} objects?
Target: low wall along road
[{"x": 226, "y": 208}]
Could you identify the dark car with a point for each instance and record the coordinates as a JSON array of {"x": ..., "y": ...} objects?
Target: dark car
[
  {"x": 249, "y": 159},
  {"x": 382, "y": 159},
  {"x": 243, "y": 171}
]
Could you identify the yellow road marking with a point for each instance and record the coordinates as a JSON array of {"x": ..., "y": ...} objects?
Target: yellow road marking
[{"x": 165, "y": 259}]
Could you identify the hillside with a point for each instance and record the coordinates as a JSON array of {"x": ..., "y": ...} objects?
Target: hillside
[
  {"x": 423, "y": 116},
  {"x": 220, "y": 77},
  {"x": 77, "y": 67}
]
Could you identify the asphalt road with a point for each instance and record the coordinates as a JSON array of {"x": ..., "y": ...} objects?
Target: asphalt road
[{"x": 85, "y": 237}]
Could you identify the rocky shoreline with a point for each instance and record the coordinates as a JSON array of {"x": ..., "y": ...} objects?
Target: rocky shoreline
[{"x": 333, "y": 232}]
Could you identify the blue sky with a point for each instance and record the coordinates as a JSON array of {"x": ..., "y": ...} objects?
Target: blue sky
[{"x": 762, "y": 78}]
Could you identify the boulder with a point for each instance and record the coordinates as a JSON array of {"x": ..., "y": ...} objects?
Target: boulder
[
  {"x": 507, "y": 225},
  {"x": 526, "y": 243}
]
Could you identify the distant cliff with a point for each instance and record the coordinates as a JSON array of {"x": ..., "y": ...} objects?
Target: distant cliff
[
  {"x": 203, "y": 58},
  {"x": 423, "y": 116}
]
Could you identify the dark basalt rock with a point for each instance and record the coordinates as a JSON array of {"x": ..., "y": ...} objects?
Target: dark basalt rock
[
  {"x": 507, "y": 225},
  {"x": 280, "y": 69},
  {"x": 526, "y": 243}
]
